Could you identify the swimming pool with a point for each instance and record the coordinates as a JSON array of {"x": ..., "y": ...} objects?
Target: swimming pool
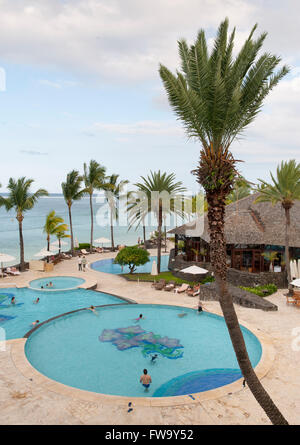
[
  {"x": 107, "y": 352},
  {"x": 16, "y": 319},
  {"x": 58, "y": 283},
  {"x": 108, "y": 266}
]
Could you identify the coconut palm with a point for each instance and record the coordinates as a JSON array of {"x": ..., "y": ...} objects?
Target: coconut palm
[
  {"x": 284, "y": 189},
  {"x": 217, "y": 95},
  {"x": 53, "y": 225},
  {"x": 94, "y": 179},
  {"x": 61, "y": 234},
  {"x": 113, "y": 193},
  {"x": 72, "y": 192},
  {"x": 161, "y": 190},
  {"x": 21, "y": 200}
]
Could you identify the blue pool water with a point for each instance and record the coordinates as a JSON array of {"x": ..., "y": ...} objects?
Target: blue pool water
[
  {"x": 59, "y": 283},
  {"x": 108, "y": 266},
  {"x": 16, "y": 319},
  {"x": 107, "y": 352}
]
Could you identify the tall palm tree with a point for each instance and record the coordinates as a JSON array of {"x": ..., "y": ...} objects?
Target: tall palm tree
[
  {"x": 284, "y": 189},
  {"x": 113, "y": 192},
  {"x": 217, "y": 96},
  {"x": 137, "y": 208},
  {"x": 94, "y": 179},
  {"x": 21, "y": 200},
  {"x": 155, "y": 187},
  {"x": 53, "y": 225},
  {"x": 72, "y": 192}
]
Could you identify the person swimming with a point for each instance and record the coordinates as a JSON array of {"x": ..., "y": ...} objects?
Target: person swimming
[
  {"x": 50, "y": 284},
  {"x": 35, "y": 322},
  {"x": 37, "y": 300},
  {"x": 140, "y": 317},
  {"x": 182, "y": 314},
  {"x": 153, "y": 358},
  {"x": 13, "y": 300},
  {"x": 92, "y": 308}
]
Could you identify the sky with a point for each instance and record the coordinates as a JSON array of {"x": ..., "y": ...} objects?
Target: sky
[{"x": 79, "y": 81}]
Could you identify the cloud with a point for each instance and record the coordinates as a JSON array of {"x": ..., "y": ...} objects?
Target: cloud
[
  {"x": 49, "y": 83},
  {"x": 33, "y": 152},
  {"x": 142, "y": 128},
  {"x": 112, "y": 39}
]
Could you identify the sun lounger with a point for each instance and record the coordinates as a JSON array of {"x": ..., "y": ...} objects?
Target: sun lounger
[
  {"x": 84, "y": 252},
  {"x": 184, "y": 287},
  {"x": 170, "y": 286},
  {"x": 160, "y": 285},
  {"x": 12, "y": 271}
]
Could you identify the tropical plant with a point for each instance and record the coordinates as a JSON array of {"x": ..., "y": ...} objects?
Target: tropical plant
[
  {"x": 137, "y": 205},
  {"x": 217, "y": 96},
  {"x": 132, "y": 256},
  {"x": 271, "y": 256},
  {"x": 160, "y": 191},
  {"x": 114, "y": 193},
  {"x": 242, "y": 189},
  {"x": 61, "y": 235},
  {"x": 94, "y": 179},
  {"x": 72, "y": 191},
  {"x": 54, "y": 224},
  {"x": 21, "y": 200},
  {"x": 284, "y": 189}
]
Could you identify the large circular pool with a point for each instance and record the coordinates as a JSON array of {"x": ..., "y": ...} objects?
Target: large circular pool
[
  {"x": 108, "y": 266},
  {"x": 106, "y": 352},
  {"x": 56, "y": 283}
]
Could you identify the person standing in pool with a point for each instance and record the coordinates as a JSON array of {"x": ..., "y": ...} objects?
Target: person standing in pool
[
  {"x": 13, "y": 300},
  {"x": 145, "y": 379},
  {"x": 83, "y": 263}
]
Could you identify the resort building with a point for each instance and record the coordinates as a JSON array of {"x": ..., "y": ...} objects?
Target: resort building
[{"x": 252, "y": 231}]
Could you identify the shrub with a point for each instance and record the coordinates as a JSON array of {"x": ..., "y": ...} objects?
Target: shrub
[
  {"x": 132, "y": 256},
  {"x": 263, "y": 290}
]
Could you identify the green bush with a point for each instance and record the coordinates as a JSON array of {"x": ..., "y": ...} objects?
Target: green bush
[
  {"x": 83, "y": 246},
  {"x": 132, "y": 256},
  {"x": 259, "y": 290}
]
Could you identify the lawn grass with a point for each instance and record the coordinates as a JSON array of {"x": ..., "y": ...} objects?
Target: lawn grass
[{"x": 168, "y": 276}]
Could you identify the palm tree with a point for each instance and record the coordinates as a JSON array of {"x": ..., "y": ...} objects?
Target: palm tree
[
  {"x": 72, "y": 192},
  {"x": 157, "y": 187},
  {"x": 242, "y": 188},
  {"x": 21, "y": 200},
  {"x": 270, "y": 256},
  {"x": 217, "y": 96},
  {"x": 138, "y": 205},
  {"x": 54, "y": 224},
  {"x": 61, "y": 234},
  {"x": 113, "y": 193},
  {"x": 284, "y": 189},
  {"x": 94, "y": 179}
]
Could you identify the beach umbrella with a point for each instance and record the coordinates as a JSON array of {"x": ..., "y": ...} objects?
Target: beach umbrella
[
  {"x": 5, "y": 258},
  {"x": 296, "y": 282},
  {"x": 44, "y": 253},
  {"x": 102, "y": 240},
  {"x": 194, "y": 270},
  {"x": 154, "y": 268},
  {"x": 298, "y": 268},
  {"x": 56, "y": 243},
  {"x": 294, "y": 271}
]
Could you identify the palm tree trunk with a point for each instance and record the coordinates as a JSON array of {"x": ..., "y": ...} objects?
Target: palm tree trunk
[
  {"x": 59, "y": 245},
  {"x": 22, "y": 262},
  {"x": 112, "y": 231},
  {"x": 92, "y": 223},
  {"x": 144, "y": 233},
  {"x": 287, "y": 247},
  {"x": 159, "y": 237},
  {"x": 48, "y": 246},
  {"x": 71, "y": 230},
  {"x": 216, "y": 214}
]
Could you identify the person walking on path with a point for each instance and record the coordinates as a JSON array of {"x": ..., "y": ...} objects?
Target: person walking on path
[
  {"x": 79, "y": 264},
  {"x": 84, "y": 263}
]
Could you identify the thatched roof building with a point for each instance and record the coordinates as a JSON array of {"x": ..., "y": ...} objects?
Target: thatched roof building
[{"x": 249, "y": 226}]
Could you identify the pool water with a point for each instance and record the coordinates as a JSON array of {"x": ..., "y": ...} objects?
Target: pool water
[
  {"x": 16, "y": 319},
  {"x": 59, "y": 283},
  {"x": 108, "y": 266},
  {"x": 107, "y": 352}
]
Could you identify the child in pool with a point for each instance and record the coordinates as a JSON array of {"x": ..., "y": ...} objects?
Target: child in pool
[{"x": 139, "y": 318}]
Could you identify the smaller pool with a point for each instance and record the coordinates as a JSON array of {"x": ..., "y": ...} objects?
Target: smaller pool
[
  {"x": 108, "y": 266},
  {"x": 56, "y": 283}
]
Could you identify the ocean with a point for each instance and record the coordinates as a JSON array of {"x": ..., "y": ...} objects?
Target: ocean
[{"x": 34, "y": 220}]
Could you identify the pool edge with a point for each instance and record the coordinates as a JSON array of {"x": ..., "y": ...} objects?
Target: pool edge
[{"x": 23, "y": 365}]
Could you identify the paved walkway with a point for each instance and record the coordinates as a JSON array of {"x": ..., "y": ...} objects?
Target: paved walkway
[{"x": 25, "y": 402}]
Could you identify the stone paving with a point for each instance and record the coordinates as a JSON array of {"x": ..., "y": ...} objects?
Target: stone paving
[{"x": 23, "y": 401}]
